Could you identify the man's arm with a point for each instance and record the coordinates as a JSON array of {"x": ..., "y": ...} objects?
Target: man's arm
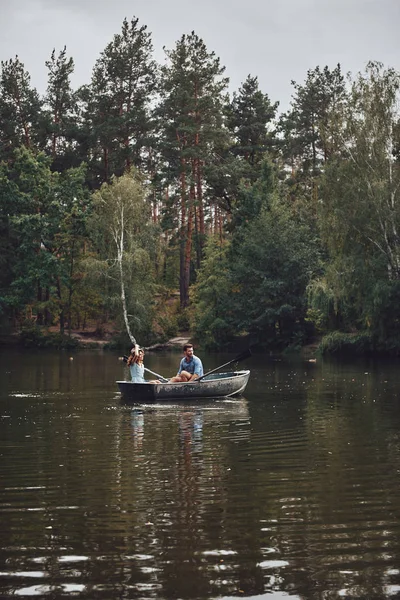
[
  {"x": 198, "y": 368},
  {"x": 180, "y": 367}
]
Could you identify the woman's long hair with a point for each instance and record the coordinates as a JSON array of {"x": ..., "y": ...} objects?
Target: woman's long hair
[{"x": 135, "y": 358}]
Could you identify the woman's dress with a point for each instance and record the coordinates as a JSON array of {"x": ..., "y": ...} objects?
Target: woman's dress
[{"x": 137, "y": 373}]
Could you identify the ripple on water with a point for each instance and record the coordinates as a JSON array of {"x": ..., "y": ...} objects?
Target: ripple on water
[{"x": 290, "y": 493}]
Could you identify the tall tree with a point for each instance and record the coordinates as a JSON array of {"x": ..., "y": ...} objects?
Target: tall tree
[
  {"x": 213, "y": 322},
  {"x": 44, "y": 214},
  {"x": 192, "y": 88},
  {"x": 250, "y": 116},
  {"x": 257, "y": 283},
  {"x": 273, "y": 264},
  {"x": 123, "y": 235},
  {"x": 307, "y": 142},
  {"x": 118, "y": 101},
  {"x": 240, "y": 154},
  {"x": 20, "y": 108},
  {"x": 360, "y": 208},
  {"x": 60, "y": 106}
]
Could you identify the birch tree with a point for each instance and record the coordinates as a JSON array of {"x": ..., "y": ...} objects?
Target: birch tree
[
  {"x": 122, "y": 234},
  {"x": 361, "y": 202},
  {"x": 359, "y": 212}
]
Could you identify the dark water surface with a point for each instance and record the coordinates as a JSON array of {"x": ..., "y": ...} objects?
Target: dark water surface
[{"x": 292, "y": 491}]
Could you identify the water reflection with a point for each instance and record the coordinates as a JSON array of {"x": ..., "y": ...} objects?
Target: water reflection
[
  {"x": 292, "y": 491},
  {"x": 138, "y": 427}
]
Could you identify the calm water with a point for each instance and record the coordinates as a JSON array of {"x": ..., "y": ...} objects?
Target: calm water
[{"x": 292, "y": 491}]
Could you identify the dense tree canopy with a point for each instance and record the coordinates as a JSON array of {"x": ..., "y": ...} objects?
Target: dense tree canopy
[{"x": 154, "y": 181}]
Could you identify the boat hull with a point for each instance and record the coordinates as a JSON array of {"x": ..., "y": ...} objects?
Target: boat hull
[{"x": 213, "y": 386}]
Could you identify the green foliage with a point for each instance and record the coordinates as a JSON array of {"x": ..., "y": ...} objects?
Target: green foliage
[
  {"x": 306, "y": 128},
  {"x": 221, "y": 185},
  {"x": 257, "y": 284},
  {"x": 20, "y": 109},
  {"x": 347, "y": 344},
  {"x": 306, "y": 139},
  {"x": 323, "y": 309},
  {"x": 249, "y": 118},
  {"x": 31, "y": 336},
  {"x": 190, "y": 123},
  {"x": 272, "y": 259},
  {"x": 183, "y": 320},
  {"x": 124, "y": 238},
  {"x": 382, "y": 310},
  {"x": 212, "y": 324},
  {"x": 87, "y": 303},
  {"x": 273, "y": 266},
  {"x": 166, "y": 309},
  {"x": 117, "y": 103},
  {"x": 253, "y": 198},
  {"x": 166, "y": 325},
  {"x": 45, "y": 229},
  {"x": 60, "y": 113},
  {"x": 359, "y": 214}
]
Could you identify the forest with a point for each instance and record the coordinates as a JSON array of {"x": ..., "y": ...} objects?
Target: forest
[{"x": 155, "y": 199}]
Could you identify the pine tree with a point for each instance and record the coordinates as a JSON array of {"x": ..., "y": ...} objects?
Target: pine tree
[
  {"x": 60, "y": 105},
  {"x": 250, "y": 117},
  {"x": 307, "y": 141},
  {"x": 192, "y": 88},
  {"x": 250, "y": 137},
  {"x": 20, "y": 109},
  {"x": 118, "y": 101}
]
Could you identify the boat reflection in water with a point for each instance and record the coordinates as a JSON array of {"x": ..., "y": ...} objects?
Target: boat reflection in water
[{"x": 189, "y": 419}]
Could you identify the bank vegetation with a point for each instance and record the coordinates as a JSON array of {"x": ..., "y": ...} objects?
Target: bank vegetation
[{"x": 155, "y": 199}]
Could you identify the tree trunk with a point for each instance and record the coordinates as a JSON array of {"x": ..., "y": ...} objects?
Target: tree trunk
[
  {"x": 24, "y": 122},
  {"x": 119, "y": 240},
  {"x": 56, "y": 121},
  {"x": 47, "y": 313},
  {"x": 188, "y": 249},
  {"x": 70, "y": 290},
  {"x": 197, "y": 238},
  {"x": 61, "y": 310},
  {"x": 39, "y": 316},
  {"x": 183, "y": 292},
  {"x": 105, "y": 157}
]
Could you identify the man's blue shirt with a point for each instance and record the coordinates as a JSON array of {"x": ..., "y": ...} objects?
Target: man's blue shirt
[{"x": 192, "y": 366}]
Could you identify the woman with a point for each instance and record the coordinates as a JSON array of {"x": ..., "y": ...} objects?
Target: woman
[{"x": 136, "y": 366}]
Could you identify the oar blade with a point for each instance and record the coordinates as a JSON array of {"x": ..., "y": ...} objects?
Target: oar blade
[
  {"x": 238, "y": 358},
  {"x": 243, "y": 355}
]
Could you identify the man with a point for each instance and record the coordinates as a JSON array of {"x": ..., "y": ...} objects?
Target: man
[{"x": 190, "y": 367}]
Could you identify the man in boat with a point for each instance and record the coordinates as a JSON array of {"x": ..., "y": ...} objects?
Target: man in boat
[{"x": 190, "y": 367}]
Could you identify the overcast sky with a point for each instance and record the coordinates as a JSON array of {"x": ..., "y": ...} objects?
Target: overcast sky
[{"x": 277, "y": 40}]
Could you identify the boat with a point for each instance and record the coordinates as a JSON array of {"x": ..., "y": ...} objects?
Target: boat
[{"x": 217, "y": 385}]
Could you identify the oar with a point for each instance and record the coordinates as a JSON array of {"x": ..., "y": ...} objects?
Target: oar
[
  {"x": 125, "y": 359},
  {"x": 238, "y": 358},
  {"x": 157, "y": 375}
]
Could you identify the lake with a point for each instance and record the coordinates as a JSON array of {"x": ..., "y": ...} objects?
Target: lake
[{"x": 292, "y": 491}]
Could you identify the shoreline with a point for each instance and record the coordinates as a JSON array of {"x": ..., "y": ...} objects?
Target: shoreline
[{"x": 87, "y": 340}]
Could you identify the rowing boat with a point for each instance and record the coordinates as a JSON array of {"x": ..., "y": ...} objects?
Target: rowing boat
[{"x": 217, "y": 385}]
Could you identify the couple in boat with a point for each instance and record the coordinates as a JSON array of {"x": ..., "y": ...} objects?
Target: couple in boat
[{"x": 190, "y": 367}]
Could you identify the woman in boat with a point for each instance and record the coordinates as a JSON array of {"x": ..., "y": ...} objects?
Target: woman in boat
[{"x": 136, "y": 366}]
